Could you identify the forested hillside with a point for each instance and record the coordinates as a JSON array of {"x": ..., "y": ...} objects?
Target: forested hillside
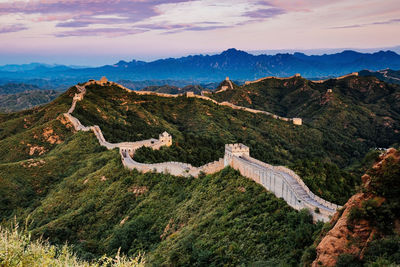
[{"x": 72, "y": 189}]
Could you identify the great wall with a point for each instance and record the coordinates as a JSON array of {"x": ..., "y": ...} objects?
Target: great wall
[{"x": 279, "y": 180}]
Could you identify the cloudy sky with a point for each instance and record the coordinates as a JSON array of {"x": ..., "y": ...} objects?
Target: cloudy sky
[{"x": 93, "y": 32}]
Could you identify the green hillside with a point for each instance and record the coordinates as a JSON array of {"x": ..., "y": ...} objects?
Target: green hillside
[
  {"x": 82, "y": 194},
  {"x": 74, "y": 190},
  {"x": 364, "y": 109}
]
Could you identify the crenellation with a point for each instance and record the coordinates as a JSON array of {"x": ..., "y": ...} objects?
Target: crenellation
[{"x": 280, "y": 180}]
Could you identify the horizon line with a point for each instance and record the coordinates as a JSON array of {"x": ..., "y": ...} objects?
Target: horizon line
[{"x": 268, "y": 52}]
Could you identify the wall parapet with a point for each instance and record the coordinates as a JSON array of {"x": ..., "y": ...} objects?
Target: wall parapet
[{"x": 293, "y": 190}]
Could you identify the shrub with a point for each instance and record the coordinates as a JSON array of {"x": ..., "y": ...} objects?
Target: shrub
[{"x": 17, "y": 249}]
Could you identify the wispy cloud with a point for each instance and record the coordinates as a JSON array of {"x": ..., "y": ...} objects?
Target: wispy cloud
[
  {"x": 265, "y": 13},
  {"x": 136, "y": 14},
  {"x": 81, "y": 13},
  {"x": 107, "y": 32},
  {"x": 12, "y": 28},
  {"x": 391, "y": 21}
]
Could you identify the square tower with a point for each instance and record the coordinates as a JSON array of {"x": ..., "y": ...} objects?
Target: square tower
[
  {"x": 165, "y": 139},
  {"x": 237, "y": 150}
]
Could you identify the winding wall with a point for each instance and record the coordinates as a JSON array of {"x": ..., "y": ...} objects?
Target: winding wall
[
  {"x": 296, "y": 121},
  {"x": 282, "y": 181}
]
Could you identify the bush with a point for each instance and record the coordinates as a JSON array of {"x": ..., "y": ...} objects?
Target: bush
[
  {"x": 348, "y": 260},
  {"x": 17, "y": 249},
  {"x": 387, "y": 248}
]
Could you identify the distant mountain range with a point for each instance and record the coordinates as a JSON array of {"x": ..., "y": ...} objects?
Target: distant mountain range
[{"x": 236, "y": 64}]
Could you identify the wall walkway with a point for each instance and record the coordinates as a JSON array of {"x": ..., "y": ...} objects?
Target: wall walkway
[{"x": 282, "y": 181}]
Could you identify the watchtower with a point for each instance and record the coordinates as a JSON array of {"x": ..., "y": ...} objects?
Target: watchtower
[
  {"x": 189, "y": 94},
  {"x": 103, "y": 80},
  {"x": 235, "y": 150},
  {"x": 297, "y": 121},
  {"x": 165, "y": 139}
]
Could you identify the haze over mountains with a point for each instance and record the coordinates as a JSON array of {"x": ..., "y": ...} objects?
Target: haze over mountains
[{"x": 236, "y": 64}]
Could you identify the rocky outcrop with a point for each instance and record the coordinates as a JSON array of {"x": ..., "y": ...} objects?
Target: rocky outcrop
[
  {"x": 340, "y": 239},
  {"x": 347, "y": 237}
]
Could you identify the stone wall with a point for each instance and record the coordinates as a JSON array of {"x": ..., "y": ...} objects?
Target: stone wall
[
  {"x": 284, "y": 183},
  {"x": 272, "y": 77},
  {"x": 281, "y": 181},
  {"x": 296, "y": 121},
  {"x": 338, "y": 78}
]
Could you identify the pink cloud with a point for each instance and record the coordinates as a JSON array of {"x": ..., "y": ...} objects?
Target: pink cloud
[
  {"x": 107, "y": 32},
  {"x": 12, "y": 28}
]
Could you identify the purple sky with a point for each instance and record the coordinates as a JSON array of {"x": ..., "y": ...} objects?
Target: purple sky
[{"x": 93, "y": 32}]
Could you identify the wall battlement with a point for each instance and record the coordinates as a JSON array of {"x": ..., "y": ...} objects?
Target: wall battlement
[
  {"x": 281, "y": 181},
  {"x": 237, "y": 150}
]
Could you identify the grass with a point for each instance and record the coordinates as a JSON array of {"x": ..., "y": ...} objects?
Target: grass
[{"x": 18, "y": 249}]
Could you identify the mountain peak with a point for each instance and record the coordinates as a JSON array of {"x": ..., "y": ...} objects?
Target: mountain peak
[{"x": 233, "y": 52}]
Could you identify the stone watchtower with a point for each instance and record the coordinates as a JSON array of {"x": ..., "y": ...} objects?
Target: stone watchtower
[
  {"x": 165, "y": 139},
  {"x": 103, "y": 80},
  {"x": 297, "y": 121},
  {"x": 235, "y": 150}
]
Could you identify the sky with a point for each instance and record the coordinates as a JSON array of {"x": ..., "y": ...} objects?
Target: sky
[{"x": 96, "y": 32}]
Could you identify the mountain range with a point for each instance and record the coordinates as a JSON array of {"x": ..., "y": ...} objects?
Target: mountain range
[{"x": 236, "y": 64}]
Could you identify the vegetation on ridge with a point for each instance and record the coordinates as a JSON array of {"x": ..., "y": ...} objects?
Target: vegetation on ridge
[
  {"x": 200, "y": 129},
  {"x": 77, "y": 191},
  {"x": 98, "y": 207}
]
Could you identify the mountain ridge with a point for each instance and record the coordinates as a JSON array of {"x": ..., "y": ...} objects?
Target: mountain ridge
[{"x": 239, "y": 65}]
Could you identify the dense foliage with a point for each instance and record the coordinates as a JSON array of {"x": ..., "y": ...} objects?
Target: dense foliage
[
  {"x": 91, "y": 201},
  {"x": 200, "y": 129},
  {"x": 356, "y": 113},
  {"x": 74, "y": 190},
  {"x": 18, "y": 249}
]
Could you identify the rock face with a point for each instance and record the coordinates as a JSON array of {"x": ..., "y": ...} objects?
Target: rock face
[
  {"x": 349, "y": 238},
  {"x": 340, "y": 239}
]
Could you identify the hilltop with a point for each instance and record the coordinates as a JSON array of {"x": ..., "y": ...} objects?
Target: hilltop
[
  {"x": 364, "y": 106},
  {"x": 75, "y": 190},
  {"x": 386, "y": 75}
]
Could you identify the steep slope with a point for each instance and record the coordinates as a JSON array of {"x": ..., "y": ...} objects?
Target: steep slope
[
  {"x": 367, "y": 108},
  {"x": 74, "y": 190},
  {"x": 367, "y": 229},
  {"x": 201, "y": 128}
]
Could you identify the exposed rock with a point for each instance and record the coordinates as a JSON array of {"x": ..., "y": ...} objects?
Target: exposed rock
[
  {"x": 50, "y": 136},
  {"x": 33, "y": 163},
  {"x": 353, "y": 238},
  {"x": 340, "y": 239},
  {"x": 138, "y": 190},
  {"x": 36, "y": 150},
  {"x": 124, "y": 220},
  {"x": 241, "y": 189}
]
